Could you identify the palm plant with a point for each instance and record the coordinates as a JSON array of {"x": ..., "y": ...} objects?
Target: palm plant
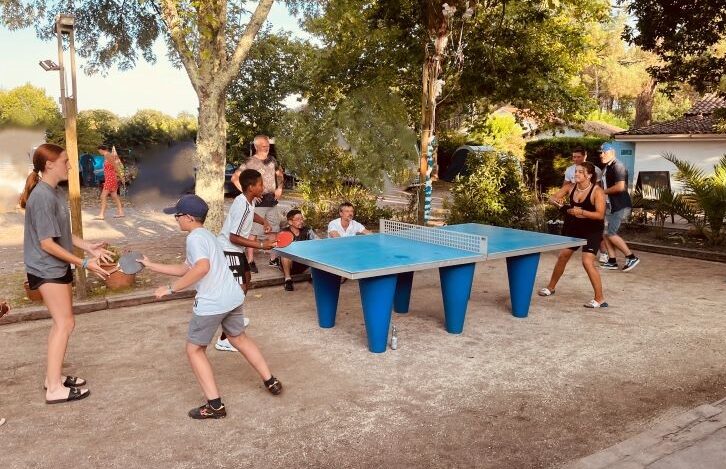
[
  {"x": 662, "y": 202},
  {"x": 706, "y": 196}
]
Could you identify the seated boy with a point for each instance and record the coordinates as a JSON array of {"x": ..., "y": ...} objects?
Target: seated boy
[
  {"x": 218, "y": 302},
  {"x": 345, "y": 225},
  {"x": 296, "y": 223}
]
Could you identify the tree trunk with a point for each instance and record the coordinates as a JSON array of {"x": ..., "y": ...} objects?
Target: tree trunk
[
  {"x": 644, "y": 105},
  {"x": 211, "y": 158}
]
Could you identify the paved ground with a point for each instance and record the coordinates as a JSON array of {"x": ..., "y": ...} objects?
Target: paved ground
[{"x": 564, "y": 383}]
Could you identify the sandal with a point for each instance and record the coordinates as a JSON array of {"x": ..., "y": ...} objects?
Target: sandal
[
  {"x": 273, "y": 385},
  {"x": 595, "y": 304},
  {"x": 74, "y": 394},
  {"x": 545, "y": 292},
  {"x": 72, "y": 382}
]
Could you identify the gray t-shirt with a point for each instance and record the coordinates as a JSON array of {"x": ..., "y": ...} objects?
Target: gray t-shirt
[{"x": 46, "y": 216}]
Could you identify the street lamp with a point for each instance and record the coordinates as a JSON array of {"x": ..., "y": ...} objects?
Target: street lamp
[{"x": 64, "y": 26}]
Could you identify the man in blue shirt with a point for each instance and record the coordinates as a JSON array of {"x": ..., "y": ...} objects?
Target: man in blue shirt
[{"x": 618, "y": 208}]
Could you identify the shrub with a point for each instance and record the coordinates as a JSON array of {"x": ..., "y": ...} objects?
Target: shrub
[
  {"x": 493, "y": 193},
  {"x": 551, "y": 157}
]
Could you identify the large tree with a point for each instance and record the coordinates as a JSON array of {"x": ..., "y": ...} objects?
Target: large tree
[
  {"x": 27, "y": 106},
  {"x": 209, "y": 38},
  {"x": 687, "y": 35}
]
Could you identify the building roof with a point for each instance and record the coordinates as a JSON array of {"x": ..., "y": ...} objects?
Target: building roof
[{"x": 698, "y": 120}]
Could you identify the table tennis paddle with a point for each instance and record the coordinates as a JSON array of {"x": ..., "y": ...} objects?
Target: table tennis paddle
[
  {"x": 284, "y": 239},
  {"x": 128, "y": 263}
]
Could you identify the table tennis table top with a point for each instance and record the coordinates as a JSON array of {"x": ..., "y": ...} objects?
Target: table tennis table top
[{"x": 382, "y": 254}]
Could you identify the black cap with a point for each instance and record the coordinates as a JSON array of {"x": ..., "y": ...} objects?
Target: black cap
[{"x": 189, "y": 204}]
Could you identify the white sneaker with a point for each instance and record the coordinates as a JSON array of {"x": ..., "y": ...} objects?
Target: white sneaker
[
  {"x": 603, "y": 258},
  {"x": 224, "y": 346}
]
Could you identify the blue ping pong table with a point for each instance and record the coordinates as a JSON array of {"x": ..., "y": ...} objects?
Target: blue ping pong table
[{"x": 384, "y": 264}]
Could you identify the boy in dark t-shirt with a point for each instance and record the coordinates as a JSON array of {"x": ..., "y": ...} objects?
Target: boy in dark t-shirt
[{"x": 300, "y": 232}]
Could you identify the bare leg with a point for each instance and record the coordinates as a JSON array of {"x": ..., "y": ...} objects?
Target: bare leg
[
  {"x": 252, "y": 354},
  {"x": 562, "y": 260},
  {"x": 119, "y": 205},
  {"x": 616, "y": 242},
  {"x": 59, "y": 301},
  {"x": 202, "y": 370},
  {"x": 271, "y": 236},
  {"x": 286, "y": 267},
  {"x": 246, "y": 277},
  {"x": 588, "y": 262},
  {"x": 104, "y": 195}
]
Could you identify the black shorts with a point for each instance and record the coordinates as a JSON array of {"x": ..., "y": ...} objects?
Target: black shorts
[
  {"x": 34, "y": 282},
  {"x": 593, "y": 241},
  {"x": 298, "y": 268},
  {"x": 238, "y": 264}
]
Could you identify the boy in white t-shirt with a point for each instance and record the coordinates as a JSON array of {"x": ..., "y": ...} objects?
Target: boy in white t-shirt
[
  {"x": 218, "y": 302},
  {"x": 345, "y": 225},
  {"x": 235, "y": 235}
]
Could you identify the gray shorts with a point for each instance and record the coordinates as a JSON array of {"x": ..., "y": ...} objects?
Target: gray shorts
[
  {"x": 202, "y": 329},
  {"x": 614, "y": 220},
  {"x": 272, "y": 215}
]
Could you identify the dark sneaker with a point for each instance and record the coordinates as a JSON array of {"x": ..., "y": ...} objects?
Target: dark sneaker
[
  {"x": 208, "y": 412},
  {"x": 273, "y": 385},
  {"x": 275, "y": 262},
  {"x": 289, "y": 286},
  {"x": 630, "y": 263},
  {"x": 253, "y": 268},
  {"x": 610, "y": 266}
]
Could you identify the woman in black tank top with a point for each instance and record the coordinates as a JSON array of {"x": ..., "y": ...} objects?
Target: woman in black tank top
[{"x": 584, "y": 219}]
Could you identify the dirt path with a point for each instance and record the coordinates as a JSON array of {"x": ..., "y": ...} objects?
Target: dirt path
[{"x": 507, "y": 393}]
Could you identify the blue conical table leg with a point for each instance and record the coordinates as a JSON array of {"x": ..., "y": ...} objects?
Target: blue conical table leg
[
  {"x": 402, "y": 300},
  {"x": 522, "y": 271},
  {"x": 456, "y": 283},
  {"x": 327, "y": 291},
  {"x": 376, "y": 294}
]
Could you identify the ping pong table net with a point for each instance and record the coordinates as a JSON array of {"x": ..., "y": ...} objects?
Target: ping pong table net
[{"x": 453, "y": 239}]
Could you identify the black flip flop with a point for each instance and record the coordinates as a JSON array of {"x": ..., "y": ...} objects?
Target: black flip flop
[
  {"x": 72, "y": 382},
  {"x": 74, "y": 394}
]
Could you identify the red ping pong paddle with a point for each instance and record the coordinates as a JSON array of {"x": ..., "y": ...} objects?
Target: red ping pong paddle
[{"x": 284, "y": 238}]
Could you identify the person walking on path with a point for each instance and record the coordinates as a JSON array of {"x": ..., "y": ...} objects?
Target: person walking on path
[
  {"x": 112, "y": 176},
  {"x": 218, "y": 302},
  {"x": 584, "y": 220},
  {"x": 619, "y": 206},
  {"x": 272, "y": 180},
  {"x": 48, "y": 255}
]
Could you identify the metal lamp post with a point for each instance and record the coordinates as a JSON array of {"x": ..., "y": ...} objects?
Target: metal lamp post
[{"x": 64, "y": 26}]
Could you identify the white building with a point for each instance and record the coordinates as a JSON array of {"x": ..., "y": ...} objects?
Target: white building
[{"x": 692, "y": 138}]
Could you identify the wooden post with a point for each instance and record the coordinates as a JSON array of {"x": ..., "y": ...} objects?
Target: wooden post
[{"x": 70, "y": 111}]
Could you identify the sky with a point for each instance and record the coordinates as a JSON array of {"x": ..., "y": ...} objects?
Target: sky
[{"x": 159, "y": 86}]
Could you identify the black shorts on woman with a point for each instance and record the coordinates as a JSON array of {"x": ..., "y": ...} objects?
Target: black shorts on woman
[{"x": 585, "y": 228}]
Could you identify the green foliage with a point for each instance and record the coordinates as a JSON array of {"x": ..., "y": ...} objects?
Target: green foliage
[
  {"x": 550, "y": 157},
  {"x": 27, "y": 106},
  {"x": 500, "y": 131},
  {"x": 705, "y": 195},
  {"x": 272, "y": 72},
  {"x": 360, "y": 139},
  {"x": 608, "y": 118},
  {"x": 685, "y": 35},
  {"x": 662, "y": 202},
  {"x": 143, "y": 129},
  {"x": 383, "y": 41},
  {"x": 493, "y": 193}
]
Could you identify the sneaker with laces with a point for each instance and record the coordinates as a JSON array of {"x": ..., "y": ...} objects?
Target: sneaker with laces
[
  {"x": 224, "y": 346},
  {"x": 603, "y": 258},
  {"x": 208, "y": 412},
  {"x": 610, "y": 266},
  {"x": 275, "y": 262},
  {"x": 253, "y": 268},
  {"x": 289, "y": 286},
  {"x": 630, "y": 263}
]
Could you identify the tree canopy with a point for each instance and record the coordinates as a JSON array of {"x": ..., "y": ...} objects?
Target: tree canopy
[
  {"x": 688, "y": 36},
  {"x": 27, "y": 106}
]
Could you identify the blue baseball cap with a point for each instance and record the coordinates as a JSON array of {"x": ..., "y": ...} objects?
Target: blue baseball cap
[
  {"x": 189, "y": 204},
  {"x": 606, "y": 147}
]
